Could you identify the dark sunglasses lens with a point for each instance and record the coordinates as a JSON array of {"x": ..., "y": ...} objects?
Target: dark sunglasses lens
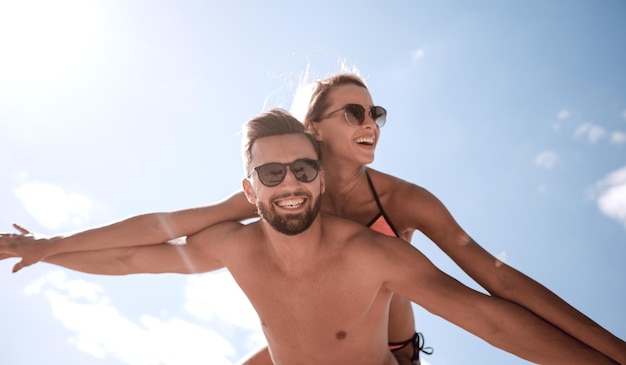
[
  {"x": 355, "y": 114},
  {"x": 379, "y": 114},
  {"x": 305, "y": 170},
  {"x": 271, "y": 174}
]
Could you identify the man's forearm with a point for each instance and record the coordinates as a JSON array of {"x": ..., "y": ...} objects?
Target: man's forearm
[
  {"x": 101, "y": 262},
  {"x": 543, "y": 302},
  {"x": 519, "y": 331}
]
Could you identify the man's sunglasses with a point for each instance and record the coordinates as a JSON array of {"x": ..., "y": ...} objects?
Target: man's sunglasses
[
  {"x": 273, "y": 173},
  {"x": 355, "y": 114}
]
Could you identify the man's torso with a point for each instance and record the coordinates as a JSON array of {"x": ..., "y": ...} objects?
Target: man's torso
[{"x": 330, "y": 308}]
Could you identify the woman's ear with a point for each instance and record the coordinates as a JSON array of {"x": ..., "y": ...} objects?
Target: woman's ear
[
  {"x": 248, "y": 191},
  {"x": 314, "y": 130}
]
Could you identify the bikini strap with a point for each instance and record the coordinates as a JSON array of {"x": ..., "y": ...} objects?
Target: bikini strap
[
  {"x": 371, "y": 184},
  {"x": 417, "y": 341},
  {"x": 381, "y": 211}
]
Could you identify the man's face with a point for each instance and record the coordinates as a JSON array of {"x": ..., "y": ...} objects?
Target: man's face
[{"x": 291, "y": 206}]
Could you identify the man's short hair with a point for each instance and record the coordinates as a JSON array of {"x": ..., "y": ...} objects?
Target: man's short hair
[{"x": 274, "y": 122}]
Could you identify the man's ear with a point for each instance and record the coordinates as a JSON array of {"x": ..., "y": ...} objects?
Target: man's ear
[
  {"x": 247, "y": 190},
  {"x": 322, "y": 181}
]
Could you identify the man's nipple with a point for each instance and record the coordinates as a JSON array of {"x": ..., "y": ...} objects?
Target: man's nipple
[{"x": 341, "y": 335}]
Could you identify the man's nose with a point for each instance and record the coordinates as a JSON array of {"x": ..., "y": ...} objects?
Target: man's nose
[{"x": 290, "y": 178}]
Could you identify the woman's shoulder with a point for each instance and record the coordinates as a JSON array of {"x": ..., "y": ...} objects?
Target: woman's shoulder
[
  {"x": 394, "y": 186},
  {"x": 408, "y": 205}
]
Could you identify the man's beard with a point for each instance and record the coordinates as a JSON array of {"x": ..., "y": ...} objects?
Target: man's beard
[{"x": 289, "y": 224}]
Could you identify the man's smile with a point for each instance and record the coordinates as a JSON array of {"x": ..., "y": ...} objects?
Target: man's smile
[{"x": 290, "y": 203}]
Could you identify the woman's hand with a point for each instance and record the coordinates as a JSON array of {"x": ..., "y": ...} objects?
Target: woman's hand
[{"x": 30, "y": 247}]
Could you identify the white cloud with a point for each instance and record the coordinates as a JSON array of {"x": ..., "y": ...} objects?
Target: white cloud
[
  {"x": 618, "y": 137},
  {"x": 563, "y": 114},
  {"x": 612, "y": 197},
  {"x": 101, "y": 330},
  {"x": 593, "y": 132},
  {"x": 51, "y": 205},
  {"x": 546, "y": 159},
  {"x": 232, "y": 306},
  {"x": 417, "y": 55},
  {"x": 76, "y": 289}
]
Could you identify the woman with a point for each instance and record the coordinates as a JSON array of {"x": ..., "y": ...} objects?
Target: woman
[{"x": 342, "y": 116}]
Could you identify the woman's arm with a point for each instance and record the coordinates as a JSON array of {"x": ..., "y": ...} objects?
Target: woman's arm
[
  {"x": 202, "y": 252},
  {"x": 431, "y": 217},
  {"x": 145, "y": 229},
  {"x": 501, "y": 323}
]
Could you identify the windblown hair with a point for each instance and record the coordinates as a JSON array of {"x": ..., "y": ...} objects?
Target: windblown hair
[
  {"x": 320, "y": 99},
  {"x": 274, "y": 122}
]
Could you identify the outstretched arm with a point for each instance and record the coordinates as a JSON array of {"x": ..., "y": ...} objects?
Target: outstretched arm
[
  {"x": 201, "y": 253},
  {"x": 499, "y": 322},
  {"x": 152, "y": 259},
  {"x": 434, "y": 220},
  {"x": 145, "y": 229}
]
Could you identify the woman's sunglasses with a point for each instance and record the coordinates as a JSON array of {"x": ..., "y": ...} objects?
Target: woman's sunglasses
[
  {"x": 273, "y": 173},
  {"x": 355, "y": 114}
]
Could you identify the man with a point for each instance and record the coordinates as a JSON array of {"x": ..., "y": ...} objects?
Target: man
[{"x": 321, "y": 285}]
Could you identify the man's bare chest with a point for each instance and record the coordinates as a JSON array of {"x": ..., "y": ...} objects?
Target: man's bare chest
[{"x": 327, "y": 304}]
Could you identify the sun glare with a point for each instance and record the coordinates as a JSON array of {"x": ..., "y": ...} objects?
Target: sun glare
[{"x": 43, "y": 41}]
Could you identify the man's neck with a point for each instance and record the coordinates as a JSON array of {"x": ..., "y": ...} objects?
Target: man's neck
[{"x": 295, "y": 253}]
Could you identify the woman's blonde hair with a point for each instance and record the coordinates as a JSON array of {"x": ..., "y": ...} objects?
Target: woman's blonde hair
[{"x": 320, "y": 99}]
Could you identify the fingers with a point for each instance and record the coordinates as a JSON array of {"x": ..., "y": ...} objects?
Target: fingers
[
  {"x": 19, "y": 266},
  {"x": 21, "y": 229}
]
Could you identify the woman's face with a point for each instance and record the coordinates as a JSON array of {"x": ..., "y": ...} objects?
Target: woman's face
[{"x": 342, "y": 140}]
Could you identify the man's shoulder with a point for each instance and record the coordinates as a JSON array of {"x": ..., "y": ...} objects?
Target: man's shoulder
[
  {"x": 329, "y": 220},
  {"x": 224, "y": 231},
  {"x": 361, "y": 246},
  {"x": 349, "y": 231}
]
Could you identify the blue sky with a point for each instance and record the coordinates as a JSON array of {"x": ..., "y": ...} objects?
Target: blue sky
[{"x": 512, "y": 112}]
